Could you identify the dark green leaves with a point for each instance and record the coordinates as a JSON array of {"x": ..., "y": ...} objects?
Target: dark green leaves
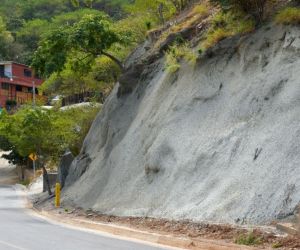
[{"x": 89, "y": 37}]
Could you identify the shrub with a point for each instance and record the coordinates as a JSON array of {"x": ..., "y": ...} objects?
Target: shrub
[
  {"x": 176, "y": 53},
  {"x": 248, "y": 239},
  {"x": 216, "y": 36},
  {"x": 290, "y": 15},
  {"x": 226, "y": 24}
]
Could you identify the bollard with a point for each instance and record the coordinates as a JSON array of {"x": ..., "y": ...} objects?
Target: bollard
[{"x": 57, "y": 195}]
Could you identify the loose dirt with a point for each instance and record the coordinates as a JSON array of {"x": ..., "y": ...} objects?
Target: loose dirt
[{"x": 185, "y": 234}]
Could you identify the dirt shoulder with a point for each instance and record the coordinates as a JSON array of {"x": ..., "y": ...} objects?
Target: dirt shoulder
[{"x": 182, "y": 234}]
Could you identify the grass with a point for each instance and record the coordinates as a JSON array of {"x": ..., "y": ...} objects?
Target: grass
[
  {"x": 290, "y": 15},
  {"x": 248, "y": 239},
  {"x": 176, "y": 53},
  {"x": 216, "y": 36},
  {"x": 201, "y": 10},
  {"x": 277, "y": 245},
  {"x": 227, "y": 24},
  {"x": 25, "y": 182}
]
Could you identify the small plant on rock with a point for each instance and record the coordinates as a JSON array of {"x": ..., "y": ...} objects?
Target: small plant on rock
[
  {"x": 177, "y": 53},
  {"x": 249, "y": 239},
  {"x": 290, "y": 15},
  {"x": 227, "y": 24}
]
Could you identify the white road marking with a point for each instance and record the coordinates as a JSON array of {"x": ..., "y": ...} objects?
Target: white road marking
[{"x": 11, "y": 245}]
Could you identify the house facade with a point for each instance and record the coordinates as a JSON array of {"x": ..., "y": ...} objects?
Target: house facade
[{"x": 16, "y": 83}]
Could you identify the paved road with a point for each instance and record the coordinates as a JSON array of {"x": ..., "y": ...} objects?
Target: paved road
[{"x": 21, "y": 231}]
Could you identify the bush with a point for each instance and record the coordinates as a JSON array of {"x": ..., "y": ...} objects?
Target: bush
[
  {"x": 47, "y": 132},
  {"x": 227, "y": 24},
  {"x": 176, "y": 53},
  {"x": 216, "y": 36},
  {"x": 288, "y": 15}
]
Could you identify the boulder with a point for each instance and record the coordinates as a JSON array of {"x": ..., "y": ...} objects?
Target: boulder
[{"x": 64, "y": 167}]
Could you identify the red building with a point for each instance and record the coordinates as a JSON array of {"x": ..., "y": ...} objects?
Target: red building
[{"x": 16, "y": 83}]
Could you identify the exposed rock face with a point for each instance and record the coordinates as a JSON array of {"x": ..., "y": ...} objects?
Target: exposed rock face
[
  {"x": 63, "y": 168},
  {"x": 218, "y": 142}
]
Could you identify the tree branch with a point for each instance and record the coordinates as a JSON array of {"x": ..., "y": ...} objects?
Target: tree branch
[{"x": 116, "y": 60}]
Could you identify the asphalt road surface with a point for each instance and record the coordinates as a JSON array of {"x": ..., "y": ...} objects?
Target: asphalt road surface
[{"x": 22, "y": 230}]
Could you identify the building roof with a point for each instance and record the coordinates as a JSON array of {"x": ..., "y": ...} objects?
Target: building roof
[{"x": 12, "y": 62}]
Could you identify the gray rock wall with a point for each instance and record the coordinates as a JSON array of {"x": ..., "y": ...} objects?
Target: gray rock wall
[{"x": 219, "y": 142}]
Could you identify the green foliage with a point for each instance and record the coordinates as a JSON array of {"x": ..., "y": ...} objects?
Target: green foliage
[
  {"x": 46, "y": 132},
  {"x": 227, "y": 24},
  {"x": 156, "y": 10},
  {"x": 52, "y": 53},
  {"x": 12, "y": 155},
  {"x": 25, "y": 182},
  {"x": 29, "y": 20},
  {"x": 176, "y": 53},
  {"x": 290, "y": 15},
  {"x": 88, "y": 38},
  {"x": 201, "y": 9},
  {"x": 42, "y": 9},
  {"x": 29, "y": 35},
  {"x": 72, "y": 17},
  {"x": 101, "y": 77},
  {"x": 6, "y": 40},
  {"x": 135, "y": 28},
  {"x": 249, "y": 239},
  {"x": 93, "y": 34}
]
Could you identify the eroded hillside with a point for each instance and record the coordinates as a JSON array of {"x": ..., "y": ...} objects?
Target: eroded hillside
[{"x": 216, "y": 141}]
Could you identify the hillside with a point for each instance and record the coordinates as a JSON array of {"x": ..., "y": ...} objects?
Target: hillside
[{"x": 214, "y": 142}]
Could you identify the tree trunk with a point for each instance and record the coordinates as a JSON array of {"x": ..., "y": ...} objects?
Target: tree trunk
[{"x": 116, "y": 60}]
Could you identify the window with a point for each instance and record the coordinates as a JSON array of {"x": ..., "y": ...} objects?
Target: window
[
  {"x": 5, "y": 85},
  {"x": 31, "y": 90},
  {"x": 27, "y": 72},
  {"x": 19, "y": 88},
  {"x": 2, "y": 71}
]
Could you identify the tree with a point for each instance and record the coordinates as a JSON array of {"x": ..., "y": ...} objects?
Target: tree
[
  {"x": 6, "y": 41},
  {"x": 157, "y": 10},
  {"x": 91, "y": 37},
  {"x": 48, "y": 133}
]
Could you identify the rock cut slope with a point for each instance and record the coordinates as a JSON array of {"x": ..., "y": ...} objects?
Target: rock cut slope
[{"x": 218, "y": 142}]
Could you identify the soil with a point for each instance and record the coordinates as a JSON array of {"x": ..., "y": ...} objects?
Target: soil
[{"x": 267, "y": 237}]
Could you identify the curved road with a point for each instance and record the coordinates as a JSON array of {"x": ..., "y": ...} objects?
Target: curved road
[{"x": 19, "y": 230}]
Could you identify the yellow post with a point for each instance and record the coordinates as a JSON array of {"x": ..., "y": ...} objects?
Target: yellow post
[{"x": 57, "y": 195}]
